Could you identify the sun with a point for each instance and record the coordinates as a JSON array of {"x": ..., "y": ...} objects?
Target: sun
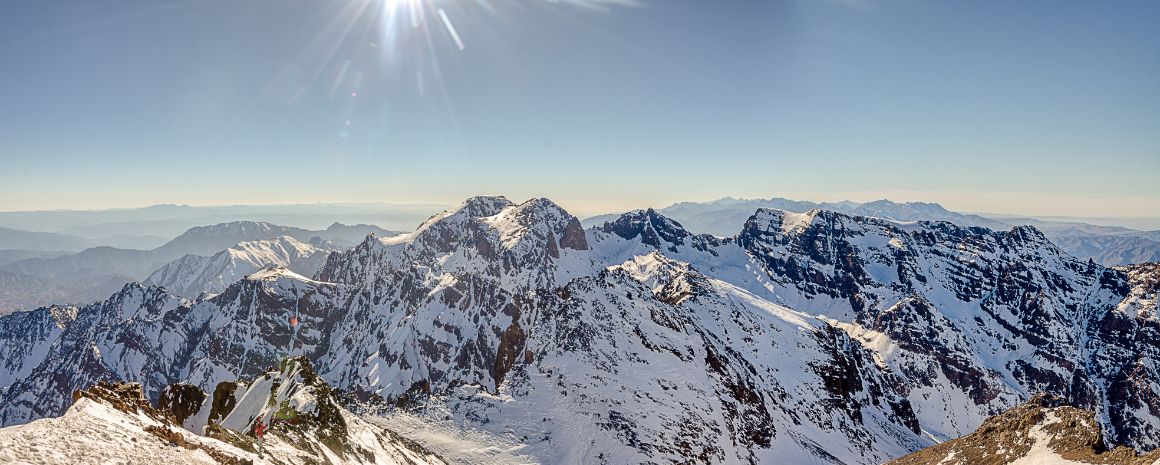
[
  {"x": 393, "y": 5},
  {"x": 416, "y": 12}
]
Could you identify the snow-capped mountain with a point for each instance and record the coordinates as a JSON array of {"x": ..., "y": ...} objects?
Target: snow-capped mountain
[
  {"x": 351, "y": 235},
  {"x": 812, "y": 337},
  {"x": 86, "y": 276},
  {"x": 192, "y": 275},
  {"x": 723, "y": 217},
  {"x": 1109, "y": 246},
  {"x": 201, "y": 241},
  {"x": 204, "y": 240}
]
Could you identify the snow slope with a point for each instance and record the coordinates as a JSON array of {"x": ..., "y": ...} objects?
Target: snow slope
[
  {"x": 111, "y": 424},
  {"x": 92, "y": 432},
  {"x": 191, "y": 275}
]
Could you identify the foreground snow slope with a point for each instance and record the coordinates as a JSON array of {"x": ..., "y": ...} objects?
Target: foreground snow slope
[
  {"x": 92, "y": 432},
  {"x": 113, "y": 423}
]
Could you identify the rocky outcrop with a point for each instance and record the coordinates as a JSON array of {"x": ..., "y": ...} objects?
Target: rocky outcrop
[
  {"x": 307, "y": 426},
  {"x": 1043, "y": 430},
  {"x": 129, "y": 398},
  {"x": 126, "y": 397},
  {"x": 181, "y": 401},
  {"x": 303, "y": 413}
]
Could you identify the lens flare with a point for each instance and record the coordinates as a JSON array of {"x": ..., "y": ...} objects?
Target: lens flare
[{"x": 378, "y": 51}]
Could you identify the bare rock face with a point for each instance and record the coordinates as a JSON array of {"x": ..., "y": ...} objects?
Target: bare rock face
[
  {"x": 653, "y": 229},
  {"x": 224, "y": 400},
  {"x": 306, "y": 423},
  {"x": 181, "y": 401},
  {"x": 1043, "y": 429},
  {"x": 573, "y": 237}
]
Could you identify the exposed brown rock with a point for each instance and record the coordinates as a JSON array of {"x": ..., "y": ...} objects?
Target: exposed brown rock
[
  {"x": 511, "y": 345},
  {"x": 126, "y": 397},
  {"x": 223, "y": 400},
  {"x": 573, "y": 237},
  {"x": 1073, "y": 434},
  {"x": 181, "y": 401}
]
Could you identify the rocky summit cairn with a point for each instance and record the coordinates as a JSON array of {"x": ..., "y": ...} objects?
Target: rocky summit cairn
[{"x": 123, "y": 396}]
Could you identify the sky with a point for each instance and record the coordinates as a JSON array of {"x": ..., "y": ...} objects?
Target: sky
[{"x": 1030, "y": 107}]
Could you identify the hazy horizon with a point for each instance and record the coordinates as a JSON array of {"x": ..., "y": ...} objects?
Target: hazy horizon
[
  {"x": 1028, "y": 108},
  {"x": 1132, "y": 222}
]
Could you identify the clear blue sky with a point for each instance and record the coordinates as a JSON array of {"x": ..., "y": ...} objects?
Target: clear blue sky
[{"x": 1037, "y": 107}]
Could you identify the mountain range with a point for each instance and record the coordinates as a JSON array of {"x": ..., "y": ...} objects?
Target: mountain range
[
  {"x": 1107, "y": 245},
  {"x": 93, "y": 273},
  {"x": 15, "y": 239},
  {"x": 168, "y": 221},
  {"x": 811, "y": 337}
]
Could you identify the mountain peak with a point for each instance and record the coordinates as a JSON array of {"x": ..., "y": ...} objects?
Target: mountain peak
[
  {"x": 540, "y": 208},
  {"x": 671, "y": 281},
  {"x": 475, "y": 207},
  {"x": 202, "y": 239},
  {"x": 231, "y": 227},
  {"x": 783, "y": 220},
  {"x": 1028, "y": 233},
  {"x": 653, "y": 228},
  {"x": 902, "y": 211},
  {"x": 484, "y": 205},
  {"x": 539, "y": 218},
  {"x": 274, "y": 272}
]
